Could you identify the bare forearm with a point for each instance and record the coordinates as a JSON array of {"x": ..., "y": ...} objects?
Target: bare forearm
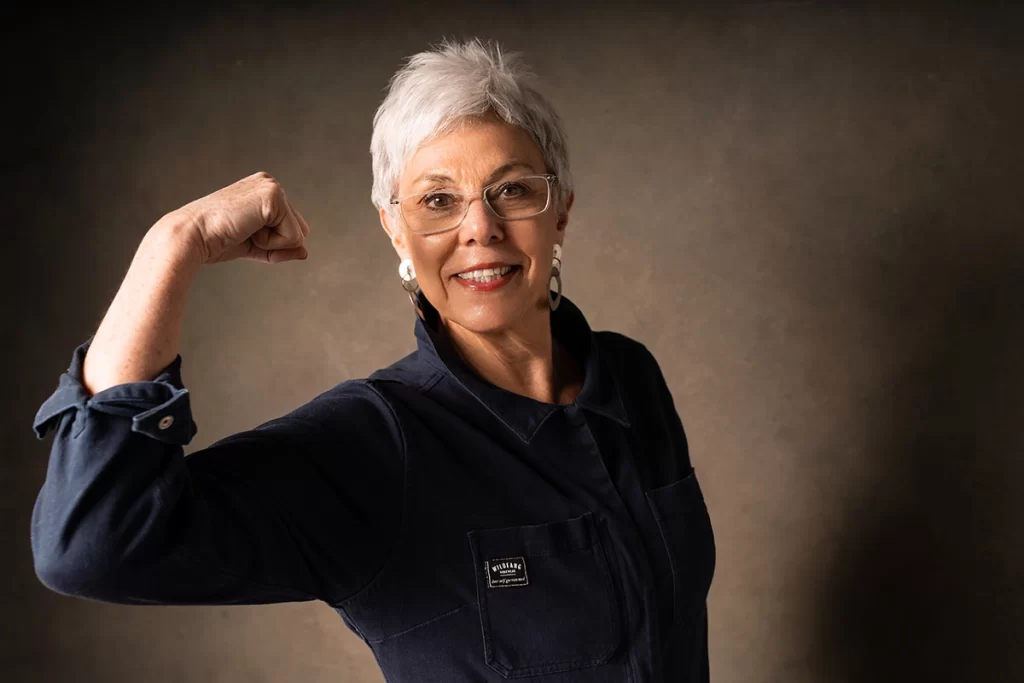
[{"x": 141, "y": 331}]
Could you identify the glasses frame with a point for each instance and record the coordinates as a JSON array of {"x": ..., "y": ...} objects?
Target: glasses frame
[{"x": 549, "y": 177}]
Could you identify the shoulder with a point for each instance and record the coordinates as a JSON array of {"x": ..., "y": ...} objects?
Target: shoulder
[
  {"x": 625, "y": 352},
  {"x": 643, "y": 388},
  {"x": 609, "y": 340},
  {"x": 637, "y": 373},
  {"x": 354, "y": 410}
]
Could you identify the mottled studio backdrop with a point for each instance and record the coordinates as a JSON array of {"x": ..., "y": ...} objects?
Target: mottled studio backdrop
[{"x": 810, "y": 213}]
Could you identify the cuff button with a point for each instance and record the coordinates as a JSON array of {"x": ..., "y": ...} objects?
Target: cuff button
[{"x": 166, "y": 421}]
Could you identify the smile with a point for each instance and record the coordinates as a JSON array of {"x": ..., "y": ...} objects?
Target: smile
[
  {"x": 486, "y": 274},
  {"x": 487, "y": 279}
]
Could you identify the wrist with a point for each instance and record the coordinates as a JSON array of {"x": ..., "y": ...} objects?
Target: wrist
[{"x": 176, "y": 238}]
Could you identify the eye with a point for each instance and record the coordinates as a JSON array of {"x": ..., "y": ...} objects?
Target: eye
[
  {"x": 436, "y": 200},
  {"x": 517, "y": 189}
]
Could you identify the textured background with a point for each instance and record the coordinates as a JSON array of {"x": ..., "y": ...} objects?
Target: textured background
[{"x": 810, "y": 213}]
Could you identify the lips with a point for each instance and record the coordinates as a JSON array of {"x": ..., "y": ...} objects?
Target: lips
[
  {"x": 487, "y": 279},
  {"x": 484, "y": 266},
  {"x": 485, "y": 274}
]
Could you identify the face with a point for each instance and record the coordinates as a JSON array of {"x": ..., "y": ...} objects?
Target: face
[{"x": 470, "y": 156}]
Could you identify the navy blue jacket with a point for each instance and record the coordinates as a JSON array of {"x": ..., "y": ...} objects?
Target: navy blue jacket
[{"x": 463, "y": 532}]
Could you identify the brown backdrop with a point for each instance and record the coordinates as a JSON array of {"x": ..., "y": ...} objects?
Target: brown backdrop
[{"x": 810, "y": 214}]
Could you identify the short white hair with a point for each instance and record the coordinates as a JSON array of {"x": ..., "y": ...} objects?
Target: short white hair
[{"x": 437, "y": 89}]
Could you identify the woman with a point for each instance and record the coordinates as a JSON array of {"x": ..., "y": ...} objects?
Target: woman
[{"x": 513, "y": 499}]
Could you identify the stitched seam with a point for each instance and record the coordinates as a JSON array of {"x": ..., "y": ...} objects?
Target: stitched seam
[
  {"x": 405, "y": 500},
  {"x": 421, "y": 624},
  {"x": 432, "y": 381},
  {"x": 617, "y": 379},
  {"x": 555, "y": 552},
  {"x": 522, "y": 437}
]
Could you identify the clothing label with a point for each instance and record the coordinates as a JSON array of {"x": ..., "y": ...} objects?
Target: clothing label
[{"x": 506, "y": 572}]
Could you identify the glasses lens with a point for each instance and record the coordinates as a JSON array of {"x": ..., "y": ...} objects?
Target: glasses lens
[
  {"x": 441, "y": 210},
  {"x": 519, "y": 198},
  {"x": 433, "y": 211}
]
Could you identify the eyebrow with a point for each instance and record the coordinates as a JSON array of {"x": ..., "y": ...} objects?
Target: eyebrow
[{"x": 441, "y": 177}]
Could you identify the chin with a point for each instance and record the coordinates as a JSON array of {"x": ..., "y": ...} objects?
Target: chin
[
  {"x": 483, "y": 320},
  {"x": 489, "y": 317}
]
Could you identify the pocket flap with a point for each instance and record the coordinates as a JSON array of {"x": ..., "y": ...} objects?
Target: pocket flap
[{"x": 550, "y": 538}]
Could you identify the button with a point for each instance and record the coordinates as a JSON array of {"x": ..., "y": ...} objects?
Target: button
[{"x": 166, "y": 421}]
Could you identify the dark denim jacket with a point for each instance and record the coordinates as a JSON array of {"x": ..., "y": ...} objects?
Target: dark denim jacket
[{"x": 464, "y": 532}]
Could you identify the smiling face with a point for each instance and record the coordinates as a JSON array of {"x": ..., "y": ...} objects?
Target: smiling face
[{"x": 472, "y": 157}]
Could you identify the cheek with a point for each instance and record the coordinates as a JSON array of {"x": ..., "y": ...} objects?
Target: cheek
[
  {"x": 429, "y": 275},
  {"x": 430, "y": 257}
]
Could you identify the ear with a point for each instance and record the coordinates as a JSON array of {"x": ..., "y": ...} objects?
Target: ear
[
  {"x": 563, "y": 219},
  {"x": 395, "y": 234}
]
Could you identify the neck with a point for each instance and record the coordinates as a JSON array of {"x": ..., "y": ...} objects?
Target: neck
[{"x": 524, "y": 360}]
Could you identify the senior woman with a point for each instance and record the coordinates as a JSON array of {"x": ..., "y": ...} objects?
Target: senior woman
[{"x": 515, "y": 499}]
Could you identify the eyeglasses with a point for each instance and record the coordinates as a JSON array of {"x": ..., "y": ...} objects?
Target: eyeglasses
[{"x": 439, "y": 210}]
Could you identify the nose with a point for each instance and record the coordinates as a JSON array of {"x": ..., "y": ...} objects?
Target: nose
[{"x": 480, "y": 225}]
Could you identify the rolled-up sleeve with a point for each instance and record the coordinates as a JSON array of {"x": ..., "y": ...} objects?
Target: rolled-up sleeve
[
  {"x": 305, "y": 506},
  {"x": 159, "y": 409}
]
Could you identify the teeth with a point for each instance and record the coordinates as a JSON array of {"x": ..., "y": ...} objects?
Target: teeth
[{"x": 486, "y": 275}]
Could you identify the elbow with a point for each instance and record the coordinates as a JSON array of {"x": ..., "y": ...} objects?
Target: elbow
[
  {"x": 66, "y": 565},
  {"x": 68, "y": 576},
  {"x": 72, "y": 554},
  {"x": 58, "y": 581}
]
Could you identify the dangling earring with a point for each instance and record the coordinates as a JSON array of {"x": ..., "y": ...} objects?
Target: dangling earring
[
  {"x": 556, "y": 275},
  {"x": 408, "y": 274}
]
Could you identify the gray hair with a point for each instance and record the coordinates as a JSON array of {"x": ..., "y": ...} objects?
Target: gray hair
[{"x": 437, "y": 89}]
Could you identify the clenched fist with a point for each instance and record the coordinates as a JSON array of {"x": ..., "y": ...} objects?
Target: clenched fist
[{"x": 249, "y": 219}]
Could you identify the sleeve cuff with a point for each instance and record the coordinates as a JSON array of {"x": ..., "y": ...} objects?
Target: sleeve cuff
[{"x": 159, "y": 408}]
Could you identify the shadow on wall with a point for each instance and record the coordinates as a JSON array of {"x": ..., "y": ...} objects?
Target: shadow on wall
[{"x": 928, "y": 581}]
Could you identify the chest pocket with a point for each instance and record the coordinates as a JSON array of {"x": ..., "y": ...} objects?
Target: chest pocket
[
  {"x": 685, "y": 526},
  {"x": 546, "y": 598}
]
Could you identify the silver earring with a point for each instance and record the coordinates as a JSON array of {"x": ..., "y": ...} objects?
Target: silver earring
[
  {"x": 407, "y": 272},
  {"x": 556, "y": 275}
]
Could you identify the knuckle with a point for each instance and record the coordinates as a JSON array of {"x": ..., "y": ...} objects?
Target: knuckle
[
  {"x": 273, "y": 188},
  {"x": 272, "y": 192}
]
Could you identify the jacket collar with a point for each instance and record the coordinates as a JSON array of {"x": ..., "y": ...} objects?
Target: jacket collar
[{"x": 521, "y": 414}]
